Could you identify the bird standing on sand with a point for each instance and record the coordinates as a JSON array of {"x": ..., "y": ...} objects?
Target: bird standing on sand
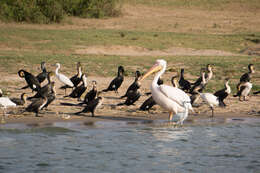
[
  {"x": 223, "y": 93},
  {"x": 135, "y": 85},
  {"x": 197, "y": 89},
  {"x": 41, "y": 76},
  {"x": 208, "y": 76},
  {"x": 216, "y": 99},
  {"x": 79, "y": 90},
  {"x": 76, "y": 79},
  {"x": 183, "y": 83},
  {"x": 243, "y": 90},
  {"x": 170, "y": 98},
  {"x": 117, "y": 81},
  {"x": 91, "y": 95},
  {"x": 211, "y": 100},
  {"x": 246, "y": 77},
  {"x": 36, "y": 105},
  {"x": 30, "y": 79},
  {"x": 46, "y": 89},
  {"x": 62, "y": 78},
  {"x": 92, "y": 106},
  {"x": 132, "y": 97}
]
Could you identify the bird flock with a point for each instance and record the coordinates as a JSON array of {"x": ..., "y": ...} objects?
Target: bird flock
[{"x": 178, "y": 99}]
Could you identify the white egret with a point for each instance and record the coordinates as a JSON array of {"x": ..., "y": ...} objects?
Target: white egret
[
  {"x": 62, "y": 78},
  {"x": 168, "y": 97},
  {"x": 211, "y": 100}
]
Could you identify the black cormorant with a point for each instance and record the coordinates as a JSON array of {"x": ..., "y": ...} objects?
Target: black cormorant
[
  {"x": 92, "y": 106},
  {"x": 135, "y": 85},
  {"x": 116, "y": 82}
]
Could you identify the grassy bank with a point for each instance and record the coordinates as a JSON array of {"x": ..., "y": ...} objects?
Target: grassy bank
[{"x": 68, "y": 40}]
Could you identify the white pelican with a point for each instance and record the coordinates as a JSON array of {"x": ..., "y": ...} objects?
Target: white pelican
[
  {"x": 168, "y": 97},
  {"x": 62, "y": 78},
  {"x": 5, "y": 102}
]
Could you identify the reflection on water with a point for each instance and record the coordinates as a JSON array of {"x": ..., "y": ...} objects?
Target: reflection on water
[{"x": 131, "y": 147}]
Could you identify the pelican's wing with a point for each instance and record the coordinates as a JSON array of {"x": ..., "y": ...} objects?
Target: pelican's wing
[
  {"x": 65, "y": 80},
  {"x": 6, "y": 102},
  {"x": 175, "y": 94}
]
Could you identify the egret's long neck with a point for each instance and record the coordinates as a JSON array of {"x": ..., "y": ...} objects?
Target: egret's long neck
[
  {"x": 57, "y": 70},
  {"x": 157, "y": 76}
]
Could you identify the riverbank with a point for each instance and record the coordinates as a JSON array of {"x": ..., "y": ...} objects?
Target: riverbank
[{"x": 111, "y": 112}]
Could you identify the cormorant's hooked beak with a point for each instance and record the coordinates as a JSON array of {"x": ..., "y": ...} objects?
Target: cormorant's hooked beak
[{"x": 156, "y": 67}]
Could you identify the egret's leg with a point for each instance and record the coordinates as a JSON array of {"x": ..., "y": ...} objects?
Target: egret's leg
[
  {"x": 212, "y": 111},
  {"x": 3, "y": 117}
]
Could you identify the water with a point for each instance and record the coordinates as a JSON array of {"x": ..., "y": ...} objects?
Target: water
[{"x": 133, "y": 147}]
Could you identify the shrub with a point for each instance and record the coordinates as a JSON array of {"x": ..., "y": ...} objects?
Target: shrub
[{"x": 47, "y": 11}]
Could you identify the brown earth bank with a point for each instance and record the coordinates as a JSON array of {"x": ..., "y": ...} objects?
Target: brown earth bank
[{"x": 111, "y": 112}]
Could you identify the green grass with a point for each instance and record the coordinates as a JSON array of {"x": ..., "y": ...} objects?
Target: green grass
[
  {"x": 28, "y": 47},
  {"x": 201, "y": 4},
  {"x": 68, "y": 40}
]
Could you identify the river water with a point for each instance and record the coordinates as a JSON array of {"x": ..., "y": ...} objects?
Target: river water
[{"x": 131, "y": 147}]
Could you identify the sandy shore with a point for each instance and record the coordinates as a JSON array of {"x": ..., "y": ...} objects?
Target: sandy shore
[{"x": 110, "y": 112}]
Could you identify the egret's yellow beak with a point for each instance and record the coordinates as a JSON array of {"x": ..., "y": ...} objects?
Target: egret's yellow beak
[{"x": 152, "y": 70}]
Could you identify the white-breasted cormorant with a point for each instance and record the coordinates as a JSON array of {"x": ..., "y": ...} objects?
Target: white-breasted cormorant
[
  {"x": 30, "y": 79},
  {"x": 243, "y": 90},
  {"x": 246, "y": 77},
  {"x": 223, "y": 93}
]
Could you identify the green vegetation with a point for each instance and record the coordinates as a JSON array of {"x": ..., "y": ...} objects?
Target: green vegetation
[
  {"x": 202, "y": 4},
  {"x": 69, "y": 40},
  {"x": 48, "y": 11}
]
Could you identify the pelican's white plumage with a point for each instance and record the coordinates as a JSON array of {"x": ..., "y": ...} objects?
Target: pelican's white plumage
[
  {"x": 6, "y": 102},
  {"x": 168, "y": 97},
  {"x": 61, "y": 77},
  {"x": 181, "y": 116}
]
